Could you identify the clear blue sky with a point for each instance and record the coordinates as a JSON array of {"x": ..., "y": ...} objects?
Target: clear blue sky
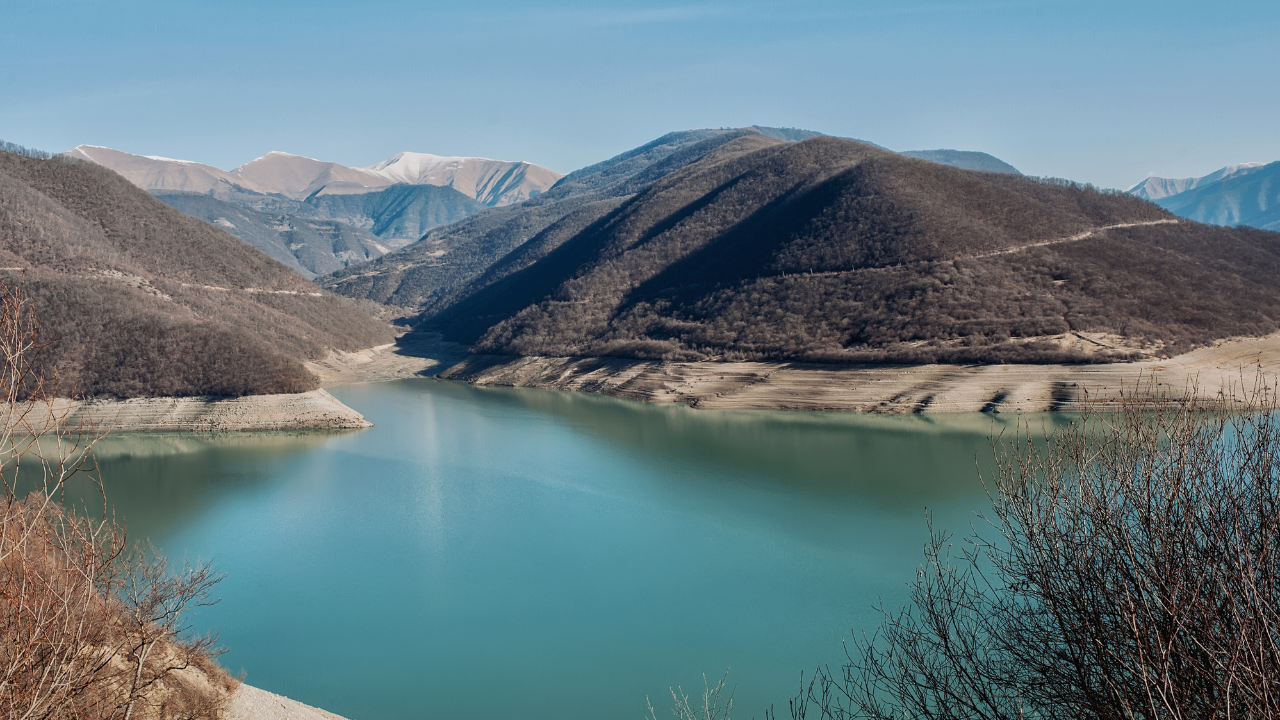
[{"x": 1106, "y": 92}]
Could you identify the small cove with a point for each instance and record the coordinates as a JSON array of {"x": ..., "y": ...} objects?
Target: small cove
[{"x": 497, "y": 552}]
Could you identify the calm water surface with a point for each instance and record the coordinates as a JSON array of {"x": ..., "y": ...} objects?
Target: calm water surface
[{"x": 500, "y": 553}]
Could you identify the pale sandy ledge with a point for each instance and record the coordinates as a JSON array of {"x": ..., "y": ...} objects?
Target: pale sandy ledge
[
  {"x": 881, "y": 389},
  {"x": 250, "y": 703},
  {"x": 315, "y": 410}
]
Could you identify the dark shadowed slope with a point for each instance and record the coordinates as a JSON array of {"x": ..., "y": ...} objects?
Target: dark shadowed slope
[
  {"x": 834, "y": 250},
  {"x": 433, "y": 271},
  {"x": 139, "y": 299},
  {"x": 966, "y": 159},
  {"x": 310, "y": 247}
]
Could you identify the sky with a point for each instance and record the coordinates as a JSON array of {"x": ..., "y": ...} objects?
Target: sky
[{"x": 1103, "y": 92}]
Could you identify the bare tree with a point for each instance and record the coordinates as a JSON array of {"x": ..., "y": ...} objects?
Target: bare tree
[
  {"x": 87, "y": 630},
  {"x": 1128, "y": 569}
]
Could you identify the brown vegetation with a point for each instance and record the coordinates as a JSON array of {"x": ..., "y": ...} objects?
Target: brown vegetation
[
  {"x": 88, "y": 629},
  {"x": 1128, "y": 570},
  {"x": 832, "y": 250},
  {"x": 429, "y": 274},
  {"x": 140, "y": 300}
]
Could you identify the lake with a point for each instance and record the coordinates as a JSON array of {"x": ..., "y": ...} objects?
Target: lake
[{"x": 502, "y": 553}]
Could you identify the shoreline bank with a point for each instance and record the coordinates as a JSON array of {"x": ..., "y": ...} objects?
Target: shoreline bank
[
  {"x": 877, "y": 388},
  {"x": 314, "y": 410}
]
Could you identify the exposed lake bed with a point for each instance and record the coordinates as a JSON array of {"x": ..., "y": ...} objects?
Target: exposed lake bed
[{"x": 486, "y": 552}]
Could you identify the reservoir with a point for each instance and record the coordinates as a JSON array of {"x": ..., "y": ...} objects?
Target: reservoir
[{"x": 502, "y": 553}]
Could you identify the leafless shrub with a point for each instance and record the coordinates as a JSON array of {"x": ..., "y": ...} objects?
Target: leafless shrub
[
  {"x": 715, "y": 704},
  {"x": 87, "y": 630},
  {"x": 1128, "y": 569}
]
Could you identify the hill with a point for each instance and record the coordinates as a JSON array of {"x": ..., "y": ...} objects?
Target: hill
[
  {"x": 138, "y": 299},
  {"x": 310, "y": 247},
  {"x": 833, "y": 250},
  {"x": 967, "y": 159},
  {"x": 431, "y": 273},
  {"x": 1246, "y": 197}
]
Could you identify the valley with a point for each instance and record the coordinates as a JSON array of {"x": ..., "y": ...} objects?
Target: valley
[{"x": 547, "y": 360}]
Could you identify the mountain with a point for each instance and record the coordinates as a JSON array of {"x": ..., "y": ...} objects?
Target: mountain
[
  {"x": 1246, "y": 194},
  {"x": 138, "y": 299},
  {"x": 1156, "y": 189},
  {"x": 432, "y": 271},
  {"x": 833, "y": 250},
  {"x": 398, "y": 215},
  {"x": 493, "y": 183},
  {"x": 967, "y": 159},
  {"x": 326, "y": 233},
  {"x": 310, "y": 247},
  {"x": 151, "y": 172}
]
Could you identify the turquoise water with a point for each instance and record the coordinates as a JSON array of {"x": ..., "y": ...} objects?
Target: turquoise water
[{"x": 501, "y": 553}]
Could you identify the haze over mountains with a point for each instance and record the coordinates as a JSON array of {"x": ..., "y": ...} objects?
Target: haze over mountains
[
  {"x": 1244, "y": 194},
  {"x": 138, "y": 299}
]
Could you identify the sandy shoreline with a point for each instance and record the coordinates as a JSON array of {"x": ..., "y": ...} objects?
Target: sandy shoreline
[
  {"x": 251, "y": 703},
  {"x": 881, "y": 389},
  {"x": 315, "y": 410},
  {"x": 704, "y": 385}
]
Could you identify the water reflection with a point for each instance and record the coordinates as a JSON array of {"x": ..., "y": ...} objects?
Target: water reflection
[{"x": 499, "y": 552}]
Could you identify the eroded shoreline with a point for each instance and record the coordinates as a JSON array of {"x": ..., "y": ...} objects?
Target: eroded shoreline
[
  {"x": 881, "y": 388},
  {"x": 704, "y": 385},
  {"x": 315, "y": 410}
]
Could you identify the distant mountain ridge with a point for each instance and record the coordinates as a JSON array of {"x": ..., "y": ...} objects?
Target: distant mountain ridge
[
  {"x": 491, "y": 182},
  {"x": 386, "y": 208},
  {"x": 1243, "y": 194},
  {"x": 1158, "y": 188}
]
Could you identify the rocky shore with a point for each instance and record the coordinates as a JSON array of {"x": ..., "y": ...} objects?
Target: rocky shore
[{"x": 879, "y": 388}]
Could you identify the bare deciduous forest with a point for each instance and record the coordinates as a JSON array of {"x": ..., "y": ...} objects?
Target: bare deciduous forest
[
  {"x": 832, "y": 250},
  {"x": 140, "y": 300}
]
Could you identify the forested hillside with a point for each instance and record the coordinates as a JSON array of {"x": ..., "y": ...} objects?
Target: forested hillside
[
  {"x": 431, "y": 273},
  {"x": 137, "y": 299},
  {"x": 834, "y": 250}
]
